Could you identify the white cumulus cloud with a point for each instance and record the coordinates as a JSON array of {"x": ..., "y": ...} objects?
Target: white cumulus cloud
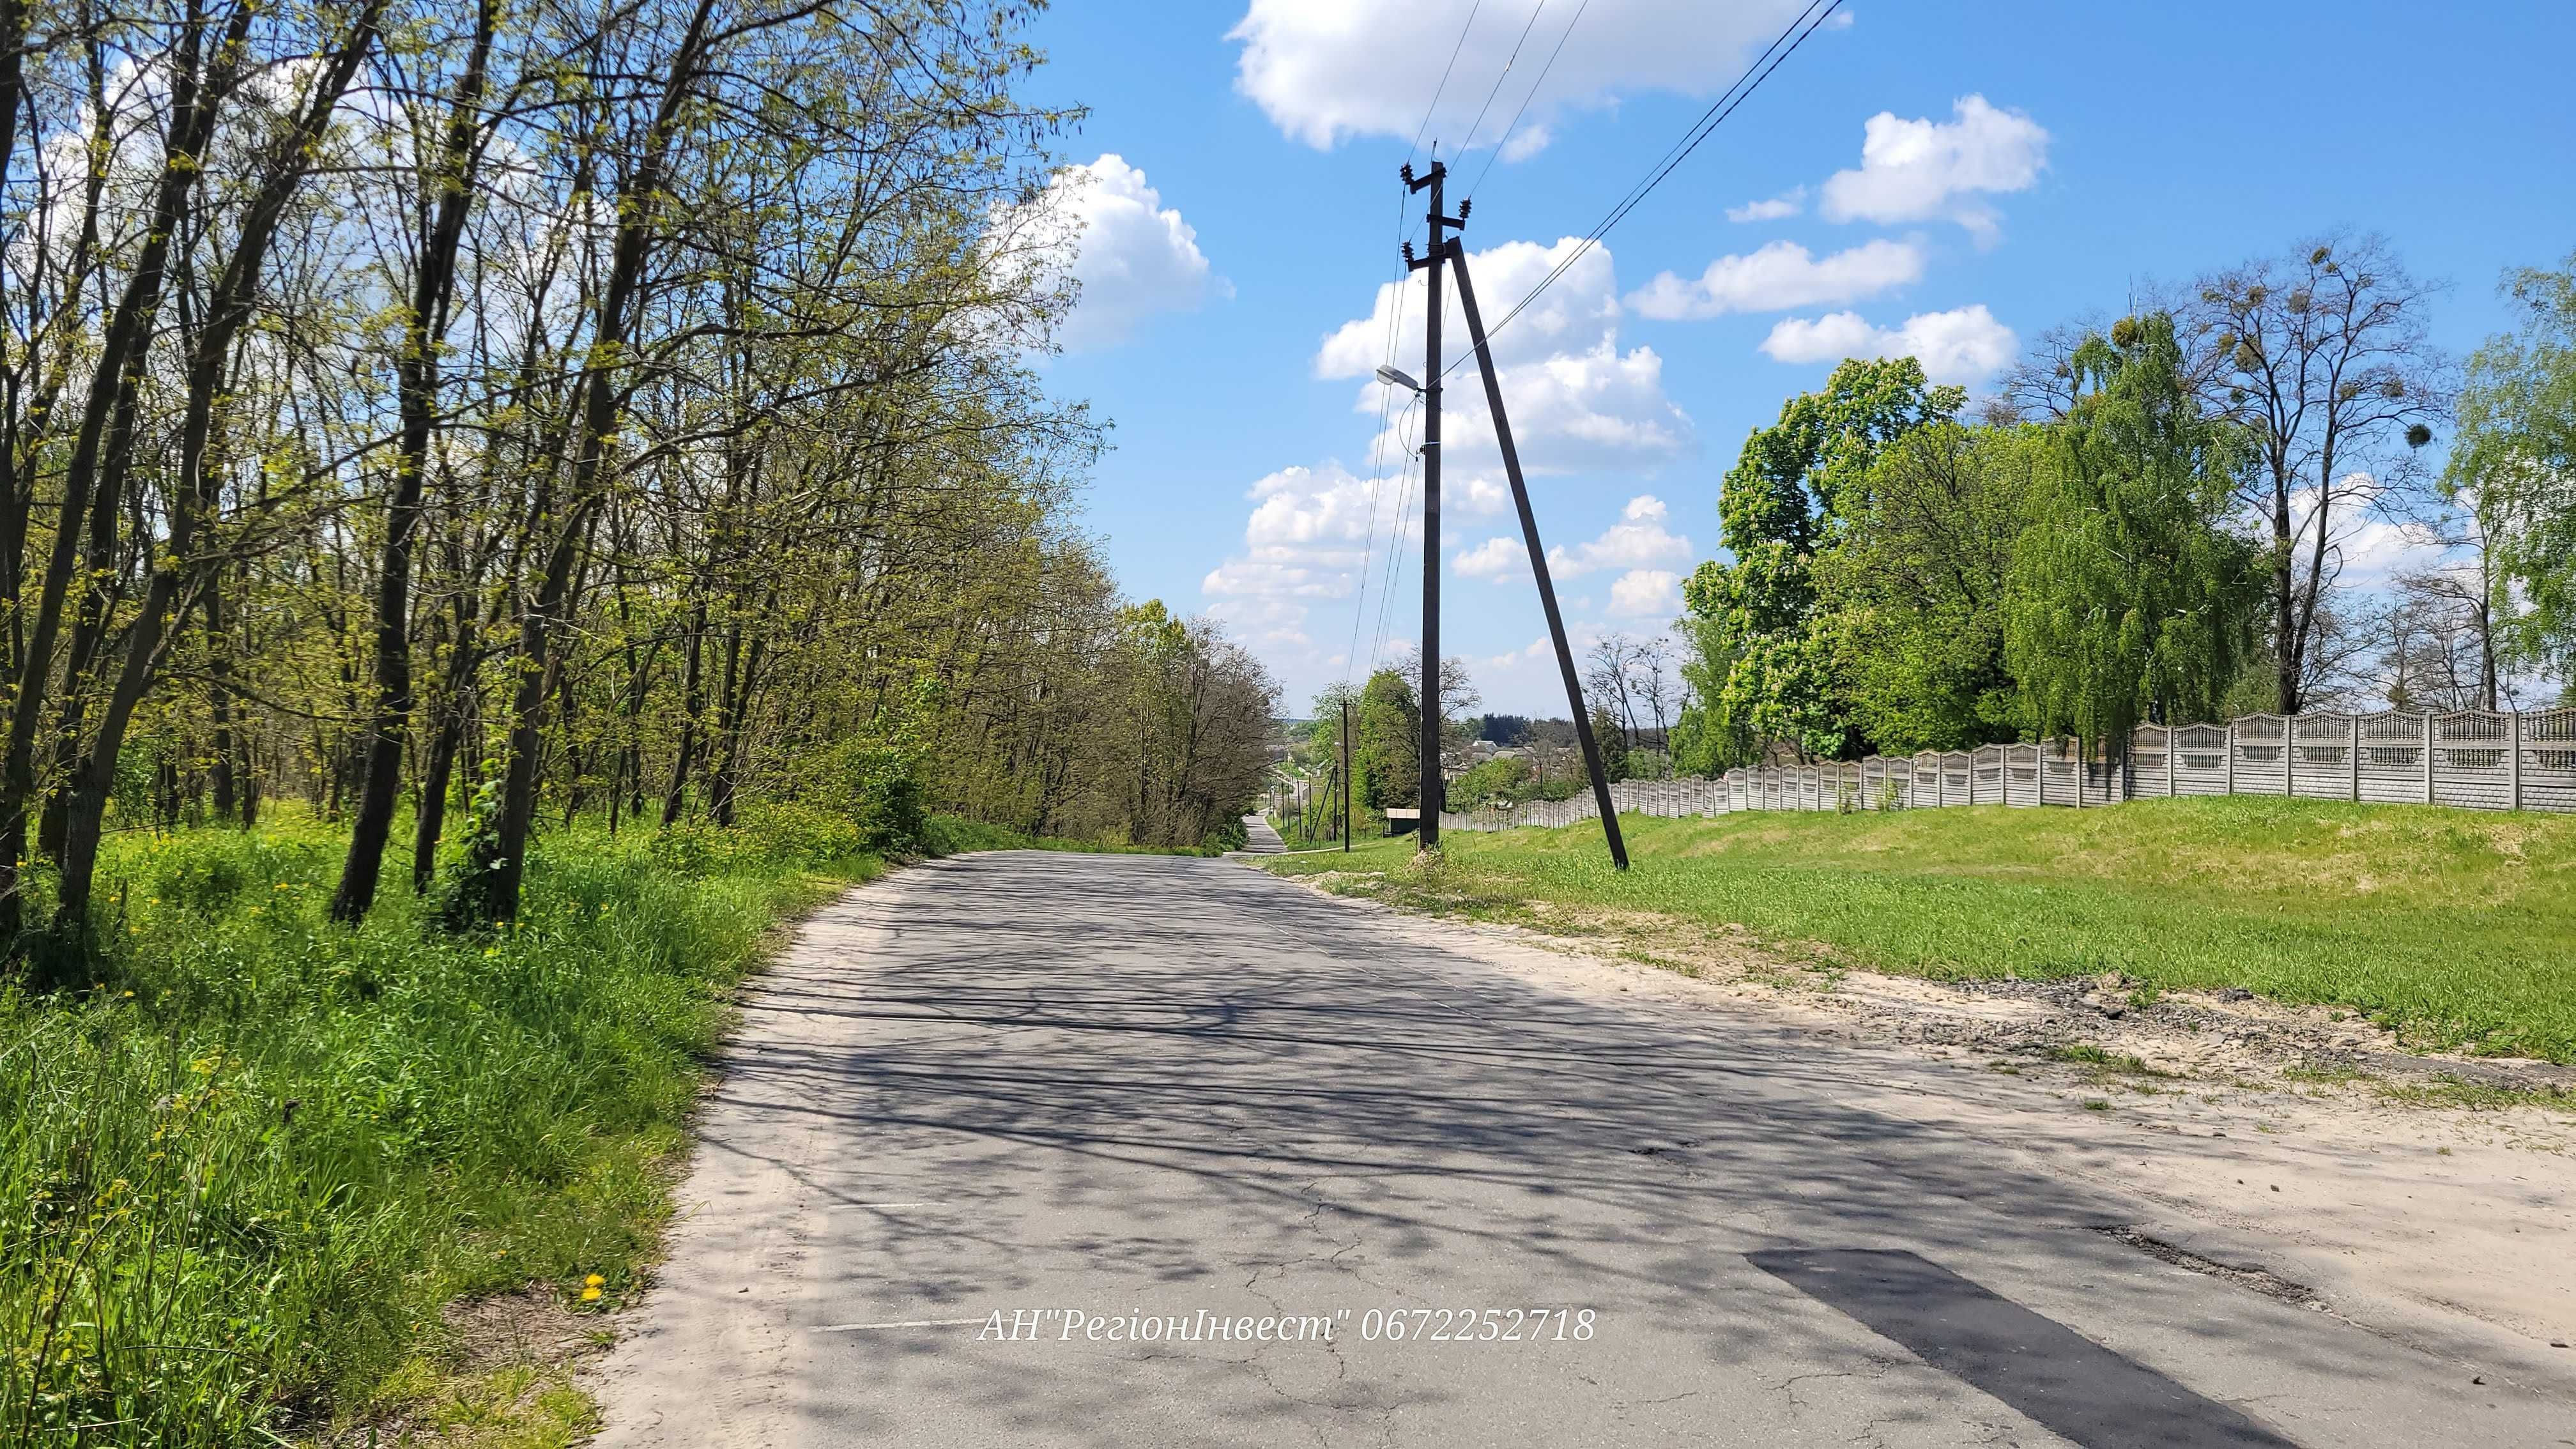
[
  {"x": 1962, "y": 345},
  {"x": 1644, "y": 593},
  {"x": 1638, "y": 540},
  {"x": 1312, "y": 534},
  {"x": 1576, "y": 399},
  {"x": 1495, "y": 558},
  {"x": 1132, "y": 255},
  {"x": 1327, "y": 70},
  {"x": 1786, "y": 204},
  {"x": 1927, "y": 170},
  {"x": 1780, "y": 276}
]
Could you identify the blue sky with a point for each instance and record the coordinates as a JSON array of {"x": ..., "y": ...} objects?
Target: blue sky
[{"x": 2029, "y": 164}]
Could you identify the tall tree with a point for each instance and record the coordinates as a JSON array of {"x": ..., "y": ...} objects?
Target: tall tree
[
  {"x": 2513, "y": 460},
  {"x": 1912, "y": 600},
  {"x": 1762, "y": 675},
  {"x": 1386, "y": 748},
  {"x": 2324, "y": 357},
  {"x": 2127, "y": 592},
  {"x": 448, "y": 182}
]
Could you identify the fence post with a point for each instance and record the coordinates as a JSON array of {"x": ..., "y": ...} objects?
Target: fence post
[
  {"x": 2428, "y": 757},
  {"x": 2231, "y": 757},
  {"x": 2513, "y": 759},
  {"x": 2355, "y": 760},
  {"x": 2170, "y": 745},
  {"x": 2289, "y": 755}
]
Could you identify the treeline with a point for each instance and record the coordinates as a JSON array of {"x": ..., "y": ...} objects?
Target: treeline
[
  {"x": 1634, "y": 685},
  {"x": 2147, "y": 523},
  {"x": 509, "y": 413}
]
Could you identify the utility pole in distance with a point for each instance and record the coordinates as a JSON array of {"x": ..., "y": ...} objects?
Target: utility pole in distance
[
  {"x": 1457, "y": 257},
  {"x": 1431, "y": 787},
  {"x": 1346, "y": 777}
]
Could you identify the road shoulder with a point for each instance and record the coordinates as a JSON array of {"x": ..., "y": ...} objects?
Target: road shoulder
[{"x": 2443, "y": 1219}]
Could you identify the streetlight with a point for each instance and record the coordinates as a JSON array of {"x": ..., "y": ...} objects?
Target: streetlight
[{"x": 1393, "y": 378}]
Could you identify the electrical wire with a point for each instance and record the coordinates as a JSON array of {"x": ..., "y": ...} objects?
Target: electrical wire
[
  {"x": 1394, "y": 569},
  {"x": 1771, "y": 59},
  {"x": 1395, "y": 540},
  {"x": 1509, "y": 61},
  {"x": 1377, "y": 478},
  {"x": 1443, "y": 87},
  {"x": 1530, "y": 94}
]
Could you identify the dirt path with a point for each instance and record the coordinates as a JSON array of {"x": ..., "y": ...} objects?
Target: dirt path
[{"x": 2432, "y": 1198}]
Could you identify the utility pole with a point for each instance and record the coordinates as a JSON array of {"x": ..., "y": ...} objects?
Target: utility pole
[
  {"x": 1431, "y": 789},
  {"x": 1457, "y": 257},
  {"x": 1346, "y": 776}
]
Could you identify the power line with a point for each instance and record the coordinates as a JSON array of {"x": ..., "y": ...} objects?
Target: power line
[
  {"x": 1530, "y": 94},
  {"x": 1377, "y": 489},
  {"x": 1395, "y": 558},
  {"x": 1377, "y": 478},
  {"x": 1771, "y": 59},
  {"x": 1508, "y": 62},
  {"x": 1395, "y": 562},
  {"x": 1443, "y": 87}
]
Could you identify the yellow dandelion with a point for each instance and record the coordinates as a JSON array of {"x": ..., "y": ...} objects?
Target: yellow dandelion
[
  {"x": 590, "y": 1295},
  {"x": 594, "y": 1281}
]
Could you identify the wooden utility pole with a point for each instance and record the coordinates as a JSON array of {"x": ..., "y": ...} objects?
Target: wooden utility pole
[
  {"x": 1431, "y": 788},
  {"x": 1346, "y": 776},
  {"x": 1457, "y": 257}
]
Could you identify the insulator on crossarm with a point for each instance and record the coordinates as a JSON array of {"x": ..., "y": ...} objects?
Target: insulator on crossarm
[
  {"x": 1466, "y": 206},
  {"x": 1406, "y": 171},
  {"x": 1408, "y": 253}
]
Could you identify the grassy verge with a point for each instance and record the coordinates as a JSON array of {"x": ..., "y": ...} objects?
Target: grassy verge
[
  {"x": 2455, "y": 928},
  {"x": 951, "y": 836},
  {"x": 245, "y": 1180}
]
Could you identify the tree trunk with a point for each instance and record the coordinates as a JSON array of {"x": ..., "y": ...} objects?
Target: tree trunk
[
  {"x": 198, "y": 487},
  {"x": 120, "y": 356},
  {"x": 498, "y": 858},
  {"x": 693, "y": 703}
]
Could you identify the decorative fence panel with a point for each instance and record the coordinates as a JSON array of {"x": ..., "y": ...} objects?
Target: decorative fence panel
[
  {"x": 2321, "y": 756},
  {"x": 2549, "y": 760},
  {"x": 2474, "y": 759}
]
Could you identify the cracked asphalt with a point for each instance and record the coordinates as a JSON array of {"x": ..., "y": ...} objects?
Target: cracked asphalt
[{"x": 1134, "y": 1088}]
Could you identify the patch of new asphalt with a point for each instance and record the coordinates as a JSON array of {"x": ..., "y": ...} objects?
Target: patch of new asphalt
[{"x": 1112, "y": 1102}]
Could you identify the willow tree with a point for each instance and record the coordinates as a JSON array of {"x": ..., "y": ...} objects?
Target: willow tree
[{"x": 2128, "y": 592}]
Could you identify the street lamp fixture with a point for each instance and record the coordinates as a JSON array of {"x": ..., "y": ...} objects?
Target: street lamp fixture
[{"x": 1393, "y": 378}]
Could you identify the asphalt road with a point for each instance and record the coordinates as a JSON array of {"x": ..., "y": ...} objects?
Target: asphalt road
[{"x": 1006, "y": 1139}]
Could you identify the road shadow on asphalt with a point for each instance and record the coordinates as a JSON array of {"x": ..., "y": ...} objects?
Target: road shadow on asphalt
[
  {"x": 1155, "y": 1083},
  {"x": 2066, "y": 1382}
]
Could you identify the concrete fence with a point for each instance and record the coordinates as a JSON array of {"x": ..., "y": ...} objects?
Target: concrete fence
[{"x": 2471, "y": 758}]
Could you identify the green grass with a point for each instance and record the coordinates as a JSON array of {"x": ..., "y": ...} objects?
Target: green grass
[
  {"x": 2457, "y": 928},
  {"x": 241, "y": 1177},
  {"x": 948, "y": 835}
]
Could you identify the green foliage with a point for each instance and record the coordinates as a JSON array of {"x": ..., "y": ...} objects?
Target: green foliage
[
  {"x": 2127, "y": 587},
  {"x": 1508, "y": 778},
  {"x": 2514, "y": 458},
  {"x": 1762, "y": 672},
  {"x": 244, "y": 1173},
  {"x": 1386, "y": 753},
  {"x": 1911, "y": 602},
  {"x": 1613, "y": 743}
]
